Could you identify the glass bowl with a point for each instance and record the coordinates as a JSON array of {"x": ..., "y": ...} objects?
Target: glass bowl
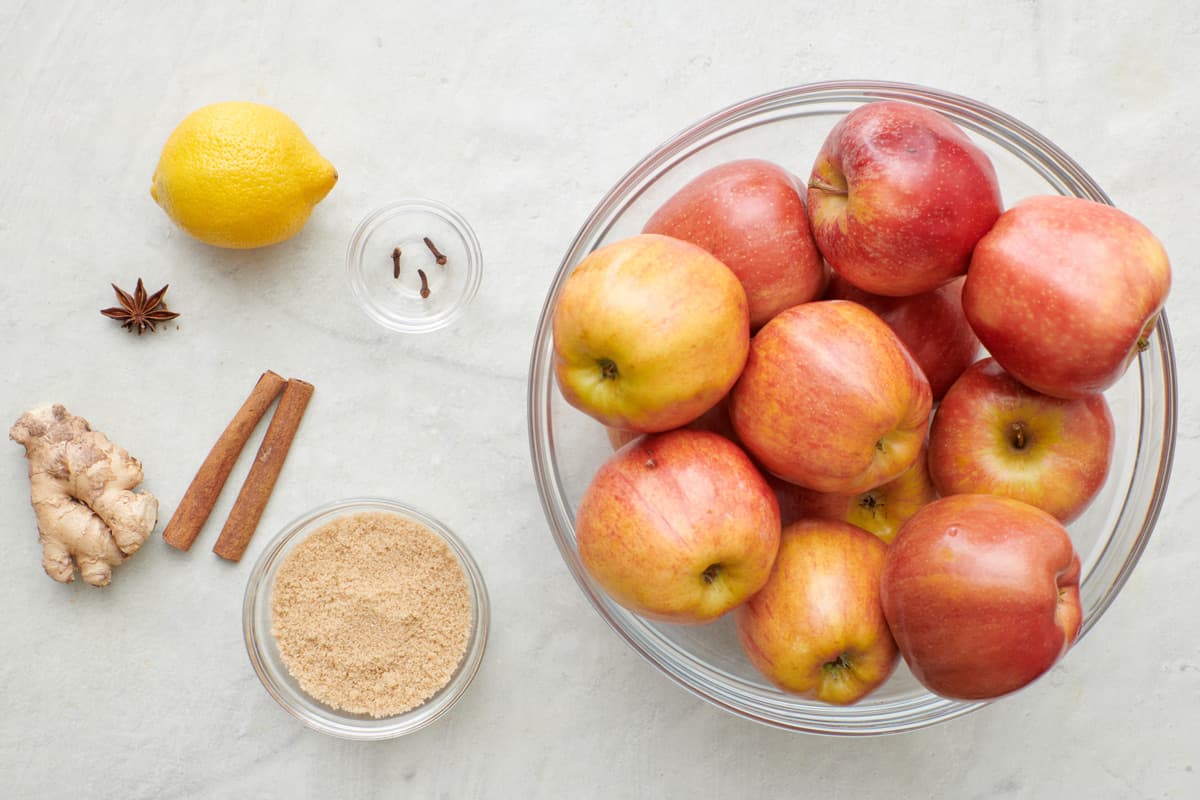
[
  {"x": 788, "y": 127},
  {"x": 395, "y": 302},
  {"x": 265, "y": 657}
]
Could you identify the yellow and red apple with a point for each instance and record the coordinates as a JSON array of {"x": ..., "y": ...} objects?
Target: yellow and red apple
[
  {"x": 830, "y": 399},
  {"x": 678, "y": 526},
  {"x": 1065, "y": 292},
  {"x": 649, "y": 333},
  {"x": 817, "y": 628},
  {"x": 993, "y": 435}
]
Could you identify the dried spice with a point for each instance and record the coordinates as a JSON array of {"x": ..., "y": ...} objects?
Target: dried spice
[
  {"x": 438, "y": 256},
  {"x": 140, "y": 310}
]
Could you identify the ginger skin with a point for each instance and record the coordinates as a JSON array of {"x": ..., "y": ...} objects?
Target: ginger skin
[{"x": 80, "y": 485}]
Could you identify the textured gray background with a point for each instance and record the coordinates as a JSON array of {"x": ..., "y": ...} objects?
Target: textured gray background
[{"x": 520, "y": 115}]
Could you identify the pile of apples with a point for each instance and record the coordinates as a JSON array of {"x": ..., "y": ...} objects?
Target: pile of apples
[{"x": 807, "y": 432}]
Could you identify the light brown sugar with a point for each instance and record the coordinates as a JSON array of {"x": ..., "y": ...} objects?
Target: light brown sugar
[{"x": 371, "y": 614}]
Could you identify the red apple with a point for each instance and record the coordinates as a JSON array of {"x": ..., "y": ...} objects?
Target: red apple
[
  {"x": 993, "y": 435},
  {"x": 750, "y": 215},
  {"x": 678, "y": 526},
  {"x": 830, "y": 399},
  {"x": 898, "y": 197},
  {"x": 1064, "y": 292},
  {"x": 982, "y": 594},
  {"x": 932, "y": 326},
  {"x": 716, "y": 419},
  {"x": 880, "y": 511},
  {"x": 817, "y": 628},
  {"x": 649, "y": 333}
]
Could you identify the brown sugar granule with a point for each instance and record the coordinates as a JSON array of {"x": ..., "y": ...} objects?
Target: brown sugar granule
[{"x": 371, "y": 614}]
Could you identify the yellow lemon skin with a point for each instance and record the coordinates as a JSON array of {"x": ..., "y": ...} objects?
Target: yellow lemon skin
[{"x": 240, "y": 175}]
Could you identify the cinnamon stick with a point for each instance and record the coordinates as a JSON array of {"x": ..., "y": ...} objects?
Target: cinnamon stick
[
  {"x": 256, "y": 491},
  {"x": 197, "y": 503}
]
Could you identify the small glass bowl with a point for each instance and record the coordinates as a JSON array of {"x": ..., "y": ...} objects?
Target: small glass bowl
[
  {"x": 265, "y": 657},
  {"x": 396, "y": 303},
  {"x": 788, "y": 127}
]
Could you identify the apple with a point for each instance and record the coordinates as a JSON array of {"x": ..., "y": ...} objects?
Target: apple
[
  {"x": 898, "y": 197},
  {"x": 817, "y": 627},
  {"x": 678, "y": 526},
  {"x": 880, "y": 511},
  {"x": 649, "y": 333},
  {"x": 831, "y": 399},
  {"x": 931, "y": 324},
  {"x": 716, "y": 419},
  {"x": 1065, "y": 292},
  {"x": 994, "y": 435},
  {"x": 981, "y": 594},
  {"x": 750, "y": 214}
]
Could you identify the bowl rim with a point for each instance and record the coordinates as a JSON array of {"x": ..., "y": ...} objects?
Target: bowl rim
[
  {"x": 380, "y": 313},
  {"x": 342, "y": 724},
  {"x": 1048, "y": 160}
]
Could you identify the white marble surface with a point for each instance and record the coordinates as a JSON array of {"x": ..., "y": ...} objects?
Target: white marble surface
[{"x": 520, "y": 115}]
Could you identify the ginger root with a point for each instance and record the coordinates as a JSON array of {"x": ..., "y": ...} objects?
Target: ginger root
[{"x": 80, "y": 485}]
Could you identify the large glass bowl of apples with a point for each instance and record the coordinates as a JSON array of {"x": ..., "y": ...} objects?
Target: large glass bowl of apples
[{"x": 852, "y": 407}]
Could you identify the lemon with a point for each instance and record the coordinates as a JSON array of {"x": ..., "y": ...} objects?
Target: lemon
[{"x": 240, "y": 175}]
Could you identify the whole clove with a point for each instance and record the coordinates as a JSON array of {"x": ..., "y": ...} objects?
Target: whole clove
[{"x": 439, "y": 257}]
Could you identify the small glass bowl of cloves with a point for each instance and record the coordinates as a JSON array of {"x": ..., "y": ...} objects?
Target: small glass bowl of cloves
[{"x": 414, "y": 265}]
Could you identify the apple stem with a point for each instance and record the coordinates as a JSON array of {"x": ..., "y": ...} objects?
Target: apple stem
[
  {"x": 711, "y": 572},
  {"x": 871, "y": 502},
  {"x": 821, "y": 186},
  {"x": 1018, "y": 439},
  {"x": 608, "y": 368},
  {"x": 839, "y": 664},
  {"x": 1143, "y": 344}
]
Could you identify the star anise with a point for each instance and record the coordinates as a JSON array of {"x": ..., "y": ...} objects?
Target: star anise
[{"x": 139, "y": 310}]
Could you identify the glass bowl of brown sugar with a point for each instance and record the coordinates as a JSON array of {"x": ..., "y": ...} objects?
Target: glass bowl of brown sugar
[{"x": 366, "y": 618}]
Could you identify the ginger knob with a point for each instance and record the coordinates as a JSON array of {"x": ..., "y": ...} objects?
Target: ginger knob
[{"x": 81, "y": 488}]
